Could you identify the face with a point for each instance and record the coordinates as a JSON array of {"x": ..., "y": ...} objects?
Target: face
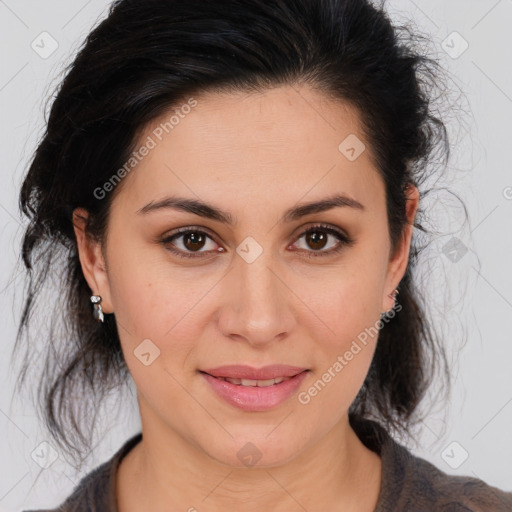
[{"x": 192, "y": 292}]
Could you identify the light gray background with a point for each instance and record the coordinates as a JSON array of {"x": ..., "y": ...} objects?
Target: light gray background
[{"x": 476, "y": 301}]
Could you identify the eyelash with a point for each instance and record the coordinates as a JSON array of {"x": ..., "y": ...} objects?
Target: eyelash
[{"x": 344, "y": 240}]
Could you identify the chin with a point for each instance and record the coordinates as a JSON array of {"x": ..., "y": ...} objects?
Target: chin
[{"x": 255, "y": 451}]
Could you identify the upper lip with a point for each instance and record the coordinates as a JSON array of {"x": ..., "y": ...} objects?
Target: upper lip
[{"x": 248, "y": 372}]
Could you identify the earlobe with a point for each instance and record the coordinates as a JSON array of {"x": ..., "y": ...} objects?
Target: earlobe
[{"x": 91, "y": 260}]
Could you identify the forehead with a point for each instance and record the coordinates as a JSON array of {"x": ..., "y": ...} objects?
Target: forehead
[{"x": 282, "y": 143}]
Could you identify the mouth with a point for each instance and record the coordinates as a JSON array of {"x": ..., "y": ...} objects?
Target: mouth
[
  {"x": 251, "y": 383},
  {"x": 255, "y": 394},
  {"x": 238, "y": 372}
]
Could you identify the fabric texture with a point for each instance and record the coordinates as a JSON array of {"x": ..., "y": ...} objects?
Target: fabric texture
[{"x": 408, "y": 484}]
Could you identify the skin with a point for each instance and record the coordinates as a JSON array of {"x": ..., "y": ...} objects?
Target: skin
[{"x": 254, "y": 155}]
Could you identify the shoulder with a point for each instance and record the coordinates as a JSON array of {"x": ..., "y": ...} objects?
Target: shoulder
[
  {"x": 412, "y": 483},
  {"x": 96, "y": 490},
  {"x": 91, "y": 490},
  {"x": 451, "y": 493}
]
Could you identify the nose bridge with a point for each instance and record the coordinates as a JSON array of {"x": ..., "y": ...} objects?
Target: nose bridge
[
  {"x": 258, "y": 285},
  {"x": 258, "y": 308}
]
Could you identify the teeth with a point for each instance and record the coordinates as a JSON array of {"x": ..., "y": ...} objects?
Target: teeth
[{"x": 256, "y": 383}]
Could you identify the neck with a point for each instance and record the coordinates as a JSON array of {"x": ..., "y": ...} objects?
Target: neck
[{"x": 336, "y": 473}]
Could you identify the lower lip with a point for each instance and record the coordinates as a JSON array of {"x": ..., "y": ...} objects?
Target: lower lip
[{"x": 253, "y": 398}]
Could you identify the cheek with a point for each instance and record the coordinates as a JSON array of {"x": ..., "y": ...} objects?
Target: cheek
[
  {"x": 346, "y": 302},
  {"x": 344, "y": 349},
  {"x": 352, "y": 316},
  {"x": 345, "y": 327},
  {"x": 162, "y": 330},
  {"x": 151, "y": 298}
]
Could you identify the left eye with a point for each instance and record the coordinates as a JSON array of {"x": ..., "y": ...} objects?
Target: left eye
[
  {"x": 317, "y": 237},
  {"x": 193, "y": 240}
]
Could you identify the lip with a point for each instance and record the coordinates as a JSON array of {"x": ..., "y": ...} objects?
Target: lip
[
  {"x": 254, "y": 398},
  {"x": 248, "y": 372}
]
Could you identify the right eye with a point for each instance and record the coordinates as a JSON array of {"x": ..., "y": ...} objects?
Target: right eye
[{"x": 192, "y": 240}]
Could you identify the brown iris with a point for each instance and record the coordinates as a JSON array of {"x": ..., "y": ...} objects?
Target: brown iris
[
  {"x": 193, "y": 241},
  {"x": 316, "y": 239}
]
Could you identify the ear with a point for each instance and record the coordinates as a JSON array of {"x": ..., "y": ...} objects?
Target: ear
[
  {"x": 399, "y": 260},
  {"x": 92, "y": 260}
]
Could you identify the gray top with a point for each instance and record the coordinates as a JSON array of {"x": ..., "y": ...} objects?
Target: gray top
[{"x": 408, "y": 484}]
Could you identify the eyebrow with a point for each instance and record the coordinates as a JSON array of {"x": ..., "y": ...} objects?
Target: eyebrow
[{"x": 205, "y": 210}]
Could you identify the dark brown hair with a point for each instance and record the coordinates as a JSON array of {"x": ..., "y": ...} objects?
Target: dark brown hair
[{"x": 146, "y": 57}]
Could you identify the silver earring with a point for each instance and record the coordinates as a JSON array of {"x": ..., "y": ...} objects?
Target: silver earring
[
  {"x": 391, "y": 295},
  {"x": 98, "y": 310}
]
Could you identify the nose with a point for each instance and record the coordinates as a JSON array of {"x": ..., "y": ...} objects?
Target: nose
[{"x": 258, "y": 307}]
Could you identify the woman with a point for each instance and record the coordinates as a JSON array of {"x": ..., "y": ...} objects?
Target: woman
[{"x": 235, "y": 186}]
